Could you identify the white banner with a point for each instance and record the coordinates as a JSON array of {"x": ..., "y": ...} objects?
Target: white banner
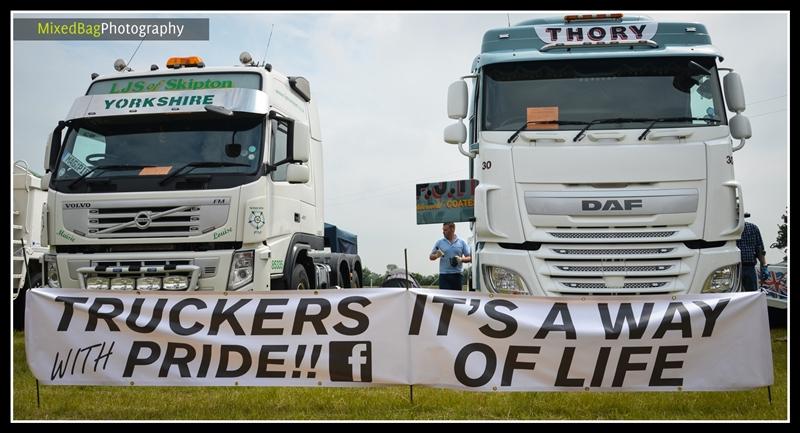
[
  {"x": 362, "y": 337},
  {"x": 280, "y": 338}
]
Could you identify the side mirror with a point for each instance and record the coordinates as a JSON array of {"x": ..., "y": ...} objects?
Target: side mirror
[
  {"x": 47, "y": 153},
  {"x": 53, "y": 147},
  {"x": 297, "y": 173},
  {"x": 457, "y": 100},
  {"x": 740, "y": 127},
  {"x": 734, "y": 92},
  {"x": 455, "y": 133},
  {"x": 301, "y": 142}
]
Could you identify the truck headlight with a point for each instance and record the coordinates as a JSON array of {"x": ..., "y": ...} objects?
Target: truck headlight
[
  {"x": 148, "y": 283},
  {"x": 723, "y": 280},
  {"x": 97, "y": 283},
  {"x": 502, "y": 280},
  {"x": 51, "y": 269},
  {"x": 176, "y": 282},
  {"x": 241, "y": 269},
  {"x": 122, "y": 283}
]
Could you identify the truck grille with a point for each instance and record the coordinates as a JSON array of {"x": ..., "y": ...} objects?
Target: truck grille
[
  {"x": 148, "y": 218},
  {"x": 618, "y": 269},
  {"x": 610, "y": 235}
]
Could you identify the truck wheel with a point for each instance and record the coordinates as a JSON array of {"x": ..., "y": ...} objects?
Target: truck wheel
[
  {"x": 300, "y": 279},
  {"x": 19, "y": 303}
]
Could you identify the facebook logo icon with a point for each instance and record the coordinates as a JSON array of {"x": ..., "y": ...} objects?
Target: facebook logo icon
[{"x": 350, "y": 361}]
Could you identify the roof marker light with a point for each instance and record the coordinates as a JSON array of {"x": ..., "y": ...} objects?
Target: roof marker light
[{"x": 569, "y": 18}]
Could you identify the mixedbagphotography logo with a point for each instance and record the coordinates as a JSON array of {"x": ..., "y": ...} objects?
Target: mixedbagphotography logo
[
  {"x": 350, "y": 361},
  {"x": 115, "y": 29}
]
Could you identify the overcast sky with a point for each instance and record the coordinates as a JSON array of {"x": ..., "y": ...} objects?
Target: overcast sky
[{"x": 380, "y": 81}]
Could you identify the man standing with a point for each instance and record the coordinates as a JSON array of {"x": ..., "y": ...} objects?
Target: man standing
[
  {"x": 752, "y": 248},
  {"x": 452, "y": 252}
]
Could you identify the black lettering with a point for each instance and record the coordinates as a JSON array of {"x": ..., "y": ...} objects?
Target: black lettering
[
  {"x": 362, "y": 321},
  {"x": 662, "y": 363},
  {"x": 175, "y": 316},
  {"x": 596, "y": 33},
  {"x": 136, "y": 310},
  {"x": 66, "y": 316},
  {"x": 575, "y": 34},
  {"x": 460, "y": 369},
  {"x": 94, "y": 313},
  {"x": 133, "y": 356},
  {"x": 684, "y": 325},
  {"x": 712, "y": 314},
  {"x": 261, "y": 315},
  {"x": 447, "y": 311},
  {"x": 416, "y": 315},
  {"x": 624, "y": 365},
  {"x": 550, "y": 325},
  {"x": 302, "y": 316},
  {"x": 638, "y": 31},
  {"x": 618, "y": 32},
  {"x": 563, "y": 369},
  {"x": 553, "y": 33},
  {"x": 612, "y": 205},
  {"x": 625, "y": 314},
  {"x": 631, "y": 204},
  {"x": 205, "y": 360},
  {"x": 590, "y": 205},
  {"x": 105, "y": 356},
  {"x": 264, "y": 362},
  {"x": 222, "y": 315},
  {"x": 509, "y": 321},
  {"x": 171, "y": 359},
  {"x": 600, "y": 367},
  {"x": 60, "y": 366},
  {"x": 512, "y": 363},
  {"x": 224, "y": 357}
]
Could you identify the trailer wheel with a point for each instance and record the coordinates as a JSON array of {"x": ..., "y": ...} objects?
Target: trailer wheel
[
  {"x": 19, "y": 302},
  {"x": 300, "y": 279}
]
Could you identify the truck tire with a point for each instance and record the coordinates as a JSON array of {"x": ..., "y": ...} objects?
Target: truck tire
[
  {"x": 300, "y": 279},
  {"x": 19, "y": 303}
]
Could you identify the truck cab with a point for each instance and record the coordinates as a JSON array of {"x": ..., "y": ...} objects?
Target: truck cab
[
  {"x": 187, "y": 178},
  {"x": 604, "y": 156}
]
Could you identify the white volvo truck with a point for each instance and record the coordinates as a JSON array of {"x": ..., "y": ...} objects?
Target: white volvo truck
[
  {"x": 190, "y": 178},
  {"x": 604, "y": 158}
]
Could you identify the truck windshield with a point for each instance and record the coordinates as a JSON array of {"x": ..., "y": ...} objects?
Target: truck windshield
[
  {"x": 154, "y": 146},
  {"x": 580, "y": 91}
]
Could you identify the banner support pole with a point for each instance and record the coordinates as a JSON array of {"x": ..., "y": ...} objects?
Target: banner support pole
[
  {"x": 405, "y": 258},
  {"x": 769, "y": 394},
  {"x": 38, "y": 404}
]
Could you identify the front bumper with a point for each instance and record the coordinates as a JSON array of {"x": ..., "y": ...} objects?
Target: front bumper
[{"x": 206, "y": 270}]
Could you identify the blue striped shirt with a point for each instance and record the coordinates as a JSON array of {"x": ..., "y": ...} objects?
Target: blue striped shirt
[{"x": 750, "y": 244}]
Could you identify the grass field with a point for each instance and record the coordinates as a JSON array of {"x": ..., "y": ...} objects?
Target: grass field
[{"x": 387, "y": 403}]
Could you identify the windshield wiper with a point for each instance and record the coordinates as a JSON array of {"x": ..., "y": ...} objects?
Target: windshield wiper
[
  {"x": 580, "y": 133},
  {"x": 113, "y": 167},
  {"x": 198, "y": 164},
  {"x": 675, "y": 119},
  {"x": 546, "y": 122}
]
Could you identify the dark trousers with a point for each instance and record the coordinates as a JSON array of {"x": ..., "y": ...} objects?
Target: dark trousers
[
  {"x": 749, "y": 279},
  {"x": 450, "y": 281}
]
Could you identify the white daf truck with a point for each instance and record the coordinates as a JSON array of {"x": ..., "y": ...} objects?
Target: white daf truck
[
  {"x": 190, "y": 178},
  {"x": 604, "y": 158}
]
